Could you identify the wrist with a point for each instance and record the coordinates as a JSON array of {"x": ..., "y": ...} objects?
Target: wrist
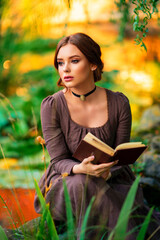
[{"x": 75, "y": 169}]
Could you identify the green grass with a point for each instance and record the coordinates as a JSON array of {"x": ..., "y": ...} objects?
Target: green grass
[
  {"x": 120, "y": 230},
  {"x": 70, "y": 219},
  {"x": 46, "y": 229},
  {"x": 46, "y": 215},
  {"x": 86, "y": 217},
  {"x": 143, "y": 230},
  {"x": 2, "y": 234}
]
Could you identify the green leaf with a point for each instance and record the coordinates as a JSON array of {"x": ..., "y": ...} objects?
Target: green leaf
[
  {"x": 137, "y": 18},
  {"x": 144, "y": 46},
  {"x": 134, "y": 1},
  {"x": 70, "y": 220},
  {"x": 135, "y": 26},
  {"x": 46, "y": 211},
  {"x": 2, "y": 234},
  {"x": 84, "y": 224},
  {"x": 21, "y": 128},
  {"x": 142, "y": 232},
  {"x": 120, "y": 230}
]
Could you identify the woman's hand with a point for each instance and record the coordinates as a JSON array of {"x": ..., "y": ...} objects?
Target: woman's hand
[{"x": 87, "y": 167}]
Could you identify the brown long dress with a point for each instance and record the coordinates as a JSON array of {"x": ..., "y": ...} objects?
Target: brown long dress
[{"x": 62, "y": 136}]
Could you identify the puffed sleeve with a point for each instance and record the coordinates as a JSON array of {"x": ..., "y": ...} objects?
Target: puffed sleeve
[
  {"x": 54, "y": 138},
  {"x": 123, "y": 131}
]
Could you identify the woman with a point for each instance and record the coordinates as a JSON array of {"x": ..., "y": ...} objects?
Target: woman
[{"x": 66, "y": 117}]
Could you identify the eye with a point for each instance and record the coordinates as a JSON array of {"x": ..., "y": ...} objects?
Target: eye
[
  {"x": 75, "y": 60},
  {"x": 60, "y": 63}
]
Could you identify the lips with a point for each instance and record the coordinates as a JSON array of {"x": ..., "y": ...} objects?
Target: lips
[{"x": 68, "y": 78}]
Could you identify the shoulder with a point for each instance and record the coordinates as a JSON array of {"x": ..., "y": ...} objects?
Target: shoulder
[
  {"x": 118, "y": 97},
  {"x": 50, "y": 101},
  {"x": 120, "y": 103},
  {"x": 49, "y": 106}
]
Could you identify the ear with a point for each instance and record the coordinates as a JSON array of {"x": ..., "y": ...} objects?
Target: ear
[{"x": 93, "y": 67}]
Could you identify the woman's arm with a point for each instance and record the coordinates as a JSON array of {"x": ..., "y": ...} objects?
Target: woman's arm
[{"x": 54, "y": 138}]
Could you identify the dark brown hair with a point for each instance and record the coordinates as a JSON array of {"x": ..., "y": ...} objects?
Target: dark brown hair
[{"x": 88, "y": 47}]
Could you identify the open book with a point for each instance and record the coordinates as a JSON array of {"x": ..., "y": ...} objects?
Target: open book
[{"x": 126, "y": 153}]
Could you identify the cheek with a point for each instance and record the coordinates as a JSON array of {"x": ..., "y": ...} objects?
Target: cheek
[{"x": 83, "y": 69}]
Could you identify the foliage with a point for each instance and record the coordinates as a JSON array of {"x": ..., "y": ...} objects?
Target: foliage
[
  {"x": 142, "y": 232},
  {"x": 120, "y": 229},
  {"x": 2, "y": 234},
  {"x": 148, "y": 9},
  {"x": 47, "y": 228},
  {"x": 46, "y": 215},
  {"x": 20, "y": 115},
  {"x": 121, "y": 223},
  {"x": 12, "y": 51},
  {"x": 85, "y": 220},
  {"x": 71, "y": 230},
  {"x": 70, "y": 220},
  {"x": 123, "y": 7},
  {"x": 108, "y": 79},
  {"x": 142, "y": 13}
]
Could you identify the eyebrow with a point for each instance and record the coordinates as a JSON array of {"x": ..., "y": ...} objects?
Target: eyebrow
[{"x": 69, "y": 57}]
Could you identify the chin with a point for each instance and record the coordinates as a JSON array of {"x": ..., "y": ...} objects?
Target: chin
[{"x": 68, "y": 83}]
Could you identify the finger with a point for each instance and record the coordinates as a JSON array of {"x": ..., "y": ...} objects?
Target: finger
[
  {"x": 89, "y": 159},
  {"x": 109, "y": 165},
  {"x": 104, "y": 166},
  {"x": 103, "y": 171}
]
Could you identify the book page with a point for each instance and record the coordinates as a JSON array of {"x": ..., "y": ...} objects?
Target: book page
[
  {"x": 129, "y": 145},
  {"x": 93, "y": 140}
]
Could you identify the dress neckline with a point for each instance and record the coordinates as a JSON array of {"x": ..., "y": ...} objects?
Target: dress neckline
[{"x": 77, "y": 124}]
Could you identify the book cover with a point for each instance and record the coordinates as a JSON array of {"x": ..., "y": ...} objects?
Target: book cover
[{"x": 125, "y": 156}]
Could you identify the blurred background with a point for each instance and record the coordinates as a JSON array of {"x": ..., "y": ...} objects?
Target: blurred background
[{"x": 29, "y": 32}]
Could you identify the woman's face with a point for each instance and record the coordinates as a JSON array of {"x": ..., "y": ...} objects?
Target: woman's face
[{"x": 73, "y": 67}]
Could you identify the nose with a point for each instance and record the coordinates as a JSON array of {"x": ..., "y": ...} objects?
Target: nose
[{"x": 66, "y": 67}]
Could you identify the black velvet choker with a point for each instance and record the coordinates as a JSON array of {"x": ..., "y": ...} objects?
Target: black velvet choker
[{"x": 83, "y": 96}]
